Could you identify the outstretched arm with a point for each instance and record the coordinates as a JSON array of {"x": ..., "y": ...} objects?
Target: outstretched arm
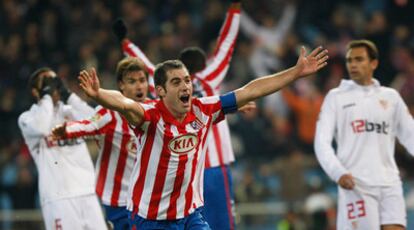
[
  {"x": 266, "y": 85},
  {"x": 110, "y": 99}
]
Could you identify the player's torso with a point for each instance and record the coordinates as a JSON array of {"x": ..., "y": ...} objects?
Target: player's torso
[
  {"x": 117, "y": 153},
  {"x": 365, "y": 132},
  {"x": 65, "y": 167}
]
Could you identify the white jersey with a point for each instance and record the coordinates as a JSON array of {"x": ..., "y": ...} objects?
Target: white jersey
[
  {"x": 364, "y": 120},
  {"x": 65, "y": 167}
]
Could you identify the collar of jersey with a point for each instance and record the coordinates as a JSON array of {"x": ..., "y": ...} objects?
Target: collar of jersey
[{"x": 169, "y": 118}]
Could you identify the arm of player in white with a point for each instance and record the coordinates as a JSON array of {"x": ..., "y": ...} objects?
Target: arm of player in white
[
  {"x": 325, "y": 129},
  {"x": 81, "y": 109},
  {"x": 266, "y": 85},
  {"x": 405, "y": 126},
  {"x": 37, "y": 122},
  {"x": 110, "y": 99}
]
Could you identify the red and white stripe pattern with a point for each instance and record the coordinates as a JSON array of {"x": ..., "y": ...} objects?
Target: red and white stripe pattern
[
  {"x": 117, "y": 152},
  {"x": 207, "y": 83},
  {"x": 167, "y": 179}
]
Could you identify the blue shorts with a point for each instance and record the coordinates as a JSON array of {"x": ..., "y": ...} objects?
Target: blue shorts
[
  {"x": 118, "y": 217},
  {"x": 219, "y": 198},
  {"x": 195, "y": 221}
]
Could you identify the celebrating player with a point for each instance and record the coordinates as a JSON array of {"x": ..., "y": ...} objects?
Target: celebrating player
[
  {"x": 66, "y": 175},
  {"x": 218, "y": 195},
  {"x": 166, "y": 186},
  {"x": 365, "y": 118}
]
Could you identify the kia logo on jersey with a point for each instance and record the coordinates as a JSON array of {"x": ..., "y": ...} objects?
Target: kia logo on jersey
[
  {"x": 183, "y": 144},
  {"x": 360, "y": 126}
]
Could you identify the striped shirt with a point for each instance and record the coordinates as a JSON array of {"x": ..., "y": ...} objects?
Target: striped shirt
[
  {"x": 117, "y": 152},
  {"x": 167, "y": 179},
  {"x": 207, "y": 83}
]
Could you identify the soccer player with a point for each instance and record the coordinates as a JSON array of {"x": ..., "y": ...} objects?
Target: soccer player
[
  {"x": 166, "y": 186},
  {"x": 116, "y": 140},
  {"x": 364, "y": 118},
  {"x": 66, "y": 175},
  {"x": 218, "y": 195}
]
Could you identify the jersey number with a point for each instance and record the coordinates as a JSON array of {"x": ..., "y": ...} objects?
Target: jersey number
[
  {"x": 356, "y": 209},
  {"x": 58, "y": 224}
]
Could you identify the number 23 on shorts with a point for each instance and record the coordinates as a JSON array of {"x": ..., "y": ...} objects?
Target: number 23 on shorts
[{"x": 356, "y": 209}]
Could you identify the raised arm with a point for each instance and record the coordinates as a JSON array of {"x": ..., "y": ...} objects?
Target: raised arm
[
  {"x": 218, "y": 66},
  {"x": 266, "y": 85},
  {"x": 110, "y": 99},
  {"x": 130, "y": 49}
]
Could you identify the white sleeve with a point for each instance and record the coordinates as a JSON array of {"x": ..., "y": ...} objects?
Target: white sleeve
[
  {"x": 325, "y": 131},
  {"x": 248, "y": 26},
  {"x": 81, "y": 109},
  {"x": 37, "y": 122},
  {"x": 405, "y": 125}
]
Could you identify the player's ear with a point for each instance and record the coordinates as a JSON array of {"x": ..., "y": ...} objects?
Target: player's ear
[
  {"x": 374, "y": 64},
  {"x": 121, "y": 85},
  {"x": 160, "y": 91}
]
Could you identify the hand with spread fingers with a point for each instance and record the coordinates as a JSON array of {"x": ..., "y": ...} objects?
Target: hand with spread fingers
[
  {"x": 311, "y": 63},
  {"x": 89, "y": 82}
]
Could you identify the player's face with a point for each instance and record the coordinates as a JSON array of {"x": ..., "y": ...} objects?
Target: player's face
[
  {"x": 134, "y": 86},
  {"x": 55, "y": 94},
  {"x": 360, "y": 67},
  {"x": 178, "y": 92}
]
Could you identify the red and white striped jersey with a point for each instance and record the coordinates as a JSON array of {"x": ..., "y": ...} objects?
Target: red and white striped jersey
[
  {"x": 167, "y": 179},
  {"x": 207, "y": 83},
  {"x": 117, "y": 152}
]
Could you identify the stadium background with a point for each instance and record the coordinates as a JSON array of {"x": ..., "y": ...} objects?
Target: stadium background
[{"x": 278, "y": 182}]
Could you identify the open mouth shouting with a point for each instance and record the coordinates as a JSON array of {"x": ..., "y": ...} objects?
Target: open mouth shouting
[
  {"x": 139, "y": 95},
  {"x": 185, "y": 99}
]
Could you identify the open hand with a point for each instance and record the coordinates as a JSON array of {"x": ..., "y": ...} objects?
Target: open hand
[
  {"x": 89, "y": 82},
  {"x": 309, "y": 64}
]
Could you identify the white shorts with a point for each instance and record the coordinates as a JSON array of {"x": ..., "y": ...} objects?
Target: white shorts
[
  {"x": 368, "y": 207},
  {"x": 83, "y": 212}
]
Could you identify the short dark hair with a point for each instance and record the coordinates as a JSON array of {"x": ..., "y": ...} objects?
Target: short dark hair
[
  {"x": 193, "y": 58},
  {"x": 161, "y": 69},
  {"x": 34, "y": 77},
  {"x": 371, "y": 48},
  {"x": 128, "y": 65}
]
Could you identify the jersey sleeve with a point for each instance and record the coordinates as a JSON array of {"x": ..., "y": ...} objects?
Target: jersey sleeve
[
  {"x": 217, "y": 69},
  {"x": 132, "y": 50},
  {"x": 37, "y": 122},
  {"x": 211, "y": 106},
  {"x": 405, "y": 125},
  {"x": 325, "y": 130},
  {"x": 94, "y": 126},
  {"x": 80, "y": 109}
]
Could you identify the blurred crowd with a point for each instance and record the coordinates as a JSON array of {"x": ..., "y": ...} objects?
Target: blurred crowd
[{"x": 275, "y": 159}]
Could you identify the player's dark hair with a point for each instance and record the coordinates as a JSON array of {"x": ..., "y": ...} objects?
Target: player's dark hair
[
  {"x": 371, "y": 48},
  {"x": 193, "y": 58},
  {"x": 35, "y": 77},
  {"x": 160, "y": 73},
  {"x": 128, "y": 65}
]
